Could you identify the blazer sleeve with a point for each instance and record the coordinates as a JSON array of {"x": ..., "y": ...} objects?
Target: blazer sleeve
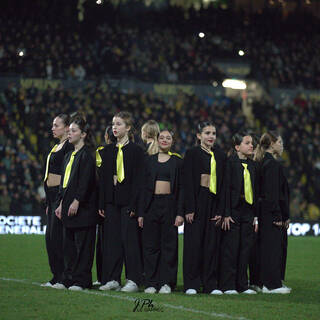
[
  {"x": 180, "y": 204},
  {"x": 86, "y": 176},
  {"x": 188, "y": 183},
  {"x": 272, "y": 188},
  {"x": 136, "y": 187},
  {"x": 227, "y": 182}
]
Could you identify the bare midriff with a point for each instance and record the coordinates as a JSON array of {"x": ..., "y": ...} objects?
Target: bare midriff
[
  {"x": 162, "y": 187},
  {"x": 53, "y": 179},
  {"x": 205, "y": 180}
]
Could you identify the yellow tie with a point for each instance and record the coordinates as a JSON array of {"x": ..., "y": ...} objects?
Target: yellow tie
[
  {"x": 248, "y": 194},
  {"x": 213, "y": 174},
  {"x": 68, "y": 170},
  {"x": 120, "y": 166},
  {"x": 174, "y": 154},
  {"x": 98, "y": 157},
  {"x": 48, "y": 160}
]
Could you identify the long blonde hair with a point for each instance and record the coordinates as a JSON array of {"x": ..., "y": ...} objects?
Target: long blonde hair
[
  {"x": 151, "y": 130},
  {"x": 264, "y": 144}
]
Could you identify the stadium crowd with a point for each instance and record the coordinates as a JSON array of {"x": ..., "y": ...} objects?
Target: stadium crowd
[{"x": 168, "y": 50}]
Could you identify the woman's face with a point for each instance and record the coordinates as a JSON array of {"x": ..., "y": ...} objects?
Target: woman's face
[
  {"x": 165, "y": 141},
  {"x": 246, "y": 146},
  {"x": 278, "y": 146},
  {"x": 75, "y": 134},
  {"x": 207, "y": 136},
  {"x": 119, "y": 127},
  {"x": 59, "y": 129}
]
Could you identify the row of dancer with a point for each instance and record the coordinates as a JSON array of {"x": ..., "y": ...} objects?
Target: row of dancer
[{"x": 142, "y": 197}]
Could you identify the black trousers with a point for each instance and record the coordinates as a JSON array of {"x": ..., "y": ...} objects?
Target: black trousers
[
  {"x": 271, "y": 250},
  {"x": 201, "y": 246},
  {"x": 54, "y": 233},
  {"x": 78, "y": 244},
  {"x": 99, "y": 251},
  {"x": 160, "y": 243},
  {"x": 236, "y": 248},
  {"x": 121, "y": 244},
  {"x": 284, "y": 234},
  {"x": 254, "y": 262}
]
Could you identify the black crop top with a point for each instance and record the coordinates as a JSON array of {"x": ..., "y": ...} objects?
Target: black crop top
[
  {"x": 163, "y": 171},
  {"x": 56, "y": 158},
  {"x": 205, "y": 162}
]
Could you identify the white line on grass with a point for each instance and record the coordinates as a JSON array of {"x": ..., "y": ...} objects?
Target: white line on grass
[{"x": 127, "y": 298}]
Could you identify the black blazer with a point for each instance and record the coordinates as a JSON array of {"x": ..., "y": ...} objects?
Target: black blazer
[
  {"x": 126, "y": 194},
  {"x": 105, "y": 176},
  {"x": 81, "y": 186},
  {"x": 149, "y": 182},
  {"x": 284, "y": 195},
  {"x": 192, "y": 177},
  {"x": 234, "y": 183},
  {"x": 270, "y": 187}
]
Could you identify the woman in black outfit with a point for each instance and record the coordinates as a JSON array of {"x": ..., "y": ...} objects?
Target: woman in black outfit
[
  {"x": 240, "y": 217},
  {"x": 273, "y": 212},
  {"x": 119, "y": 191},
  {"x": 52, "y": 180},
  {"x": 203, "y": 176},
  {"x": 162, "y": 215},
  {"x": 78, "y": 208}
]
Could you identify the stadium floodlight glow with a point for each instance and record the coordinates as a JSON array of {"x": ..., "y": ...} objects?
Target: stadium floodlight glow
[
  {"x": 21, "y": 53},
  {"x": 99, "y": 2},
  {"x": 241, "y": 53},
  {"x": 201, "y": 35},
  {"x": 234, "y": 84}
]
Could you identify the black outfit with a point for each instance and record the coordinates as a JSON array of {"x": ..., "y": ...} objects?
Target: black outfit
[
  {"x": 160, "y": 236},
  {"x": 99, "y": 229},
  {"x": 272, "y": 186},
  {"x": 285, "y": 212},
  {"x": 202, "y": 237},
  {"x": 54, "y": 226},
  {"x": 121, "y": 239},
  {"x": 80, "y": 229},
  {"x": 237, "y": 242}
]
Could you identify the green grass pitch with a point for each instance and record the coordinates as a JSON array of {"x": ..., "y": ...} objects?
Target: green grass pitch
[{"x": 23, "y": 266}]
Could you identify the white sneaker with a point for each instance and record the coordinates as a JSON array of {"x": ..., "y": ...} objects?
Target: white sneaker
[
  {"x": 191, "y": 291},
  {"x": 255, "y": 288},
  {"x": 59, "y": 286},
  {"x": 130, "y": 286},
  {"x": 216, "y": 292},
  {"x": 75, "y": 288},
  {"x": 278, "y": 290},
  {"x": 97, "y": 283},
  {"x": 230, "y": 292},
  {"x": 150, "y": 290},
  {"x": 165, "y": 289},
  {"x": 250, "y": 291},
  {"x": 284, "y": 286},
  {"x": 110, "y": 285},
  {"x": 47, "y": 284}
]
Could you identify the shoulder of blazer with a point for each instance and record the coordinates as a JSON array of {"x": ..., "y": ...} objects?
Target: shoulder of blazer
[
  {"x": 269, "y": 160},
  {"x": 233, "y": 158},
  {"x": 192, "y": 151}
]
